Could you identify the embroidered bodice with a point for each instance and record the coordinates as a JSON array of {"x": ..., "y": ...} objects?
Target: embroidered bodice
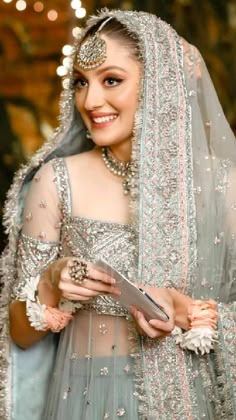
[{"x": 92, "y": 240}]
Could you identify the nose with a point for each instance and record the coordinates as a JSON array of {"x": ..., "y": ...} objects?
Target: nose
[{"x": 94, "y": 97}]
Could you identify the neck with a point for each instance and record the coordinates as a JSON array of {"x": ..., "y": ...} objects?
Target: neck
[{"x": 121, "y": 152}]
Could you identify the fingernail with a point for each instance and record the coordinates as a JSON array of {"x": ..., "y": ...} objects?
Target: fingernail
[
  {"x": 118, "y": 292},
  {"x": 113, "y": 281}
]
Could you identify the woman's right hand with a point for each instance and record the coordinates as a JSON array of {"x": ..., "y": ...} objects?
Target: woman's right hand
[{"x": 95, "y": 283}]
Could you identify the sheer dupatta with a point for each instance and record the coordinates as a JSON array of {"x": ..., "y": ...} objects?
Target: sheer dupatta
[
  {"x": 183, "y": 209},
  {"x": 186, "y": 217}
]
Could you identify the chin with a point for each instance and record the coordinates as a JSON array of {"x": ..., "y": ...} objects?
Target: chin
[{"x": 103, "y": 142}]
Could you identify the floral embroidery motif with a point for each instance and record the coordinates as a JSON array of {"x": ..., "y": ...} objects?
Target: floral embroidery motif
[
  {"x": 104, "y": 371},
  {"x": 103, "y": 329},
  {"x": 120, "y": 412}
]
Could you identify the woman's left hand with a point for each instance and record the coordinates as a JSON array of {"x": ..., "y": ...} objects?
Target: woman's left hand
[{"x": 156, "y": 328}]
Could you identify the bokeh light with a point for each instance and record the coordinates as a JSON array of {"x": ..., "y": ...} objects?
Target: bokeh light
[
  {"x": 80, "y": 13},
  {"x": 52, "y": 15},
  {"x": 67, "y": 49},
  {"x": 61, "y": 71},
  {"x": 76, "y": 31},
  {"x": 21, "y": 5},
  {"x": 75, "y": 4},
  {"x": 38, "y": 6}
]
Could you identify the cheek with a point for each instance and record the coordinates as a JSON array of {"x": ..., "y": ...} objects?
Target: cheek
[
  {"x": 79, "y": 102},
  {"x": 128, "y": 99}
]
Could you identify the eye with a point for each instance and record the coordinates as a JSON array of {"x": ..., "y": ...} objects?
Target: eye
[
  {"x": 112, "y": 81},
  {"x": 80, "y": 83}
]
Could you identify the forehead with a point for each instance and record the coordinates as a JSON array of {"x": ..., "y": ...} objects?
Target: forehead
[
  {"x": 114, "y": 46},
  {"x": 117, "y": 53}
]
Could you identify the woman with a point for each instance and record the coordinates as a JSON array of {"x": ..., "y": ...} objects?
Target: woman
[{"x": 145, "y": 98}]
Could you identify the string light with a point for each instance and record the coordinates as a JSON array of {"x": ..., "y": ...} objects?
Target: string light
[
  {"x": 75, "y": 4},
  {"x": 38, "y": 6},
  {"x": 67, "y": 49},
  {"x": 76, "y": 32},
  {"x": 21, "y": 5},
  {"x": 52, "y": 15},
  {"x": 80, "y": 12},
  {"x": 67, "y": 62},
  {"x": 61, "y": 71}
]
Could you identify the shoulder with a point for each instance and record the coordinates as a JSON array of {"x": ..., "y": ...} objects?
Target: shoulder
[
  {"x": 45, "y": 171},
  {"x": 42, "y": 181},
  {"x": 83, "y": 161},
  {"x": 82, "y": 157}
]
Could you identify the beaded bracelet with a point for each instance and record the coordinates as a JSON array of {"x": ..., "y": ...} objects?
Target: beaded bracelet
[
  {"x": 203, "y": 324},
  {"x": 43, "y": 317}
]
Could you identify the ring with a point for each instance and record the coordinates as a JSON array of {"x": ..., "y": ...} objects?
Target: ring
[{"x": 78, "y": 271}]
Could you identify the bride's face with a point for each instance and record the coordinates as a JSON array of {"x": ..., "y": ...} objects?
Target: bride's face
[{"x": 107, "y": 97}]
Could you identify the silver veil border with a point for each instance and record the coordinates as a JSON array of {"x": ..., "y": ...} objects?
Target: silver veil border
[{"x": 181, "y": 147}]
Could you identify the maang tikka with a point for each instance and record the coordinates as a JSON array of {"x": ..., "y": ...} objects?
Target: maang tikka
[{"x": 92, "y": 52}]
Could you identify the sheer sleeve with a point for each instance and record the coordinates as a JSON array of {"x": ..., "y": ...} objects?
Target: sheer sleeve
[{"x": 38, "y": 244}]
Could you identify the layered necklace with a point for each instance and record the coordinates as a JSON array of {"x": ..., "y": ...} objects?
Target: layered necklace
[{"x": 119, "y": 168}]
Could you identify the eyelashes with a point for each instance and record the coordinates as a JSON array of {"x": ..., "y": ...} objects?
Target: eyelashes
[
  {"x": 81, "y": 83},
  {"x": 112, "y": 81}
]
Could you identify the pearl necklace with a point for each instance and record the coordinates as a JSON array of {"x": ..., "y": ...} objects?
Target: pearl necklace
[{"x": 119, "y": 168}]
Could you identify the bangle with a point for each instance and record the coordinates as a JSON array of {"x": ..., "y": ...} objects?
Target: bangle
[
  {"x": 203, "y": 324},
  {"x": 43, "y": 317},
  {"x": 56, "y": 319}
]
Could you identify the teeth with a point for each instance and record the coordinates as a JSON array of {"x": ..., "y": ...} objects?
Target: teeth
[{"x": 104, "y": 119}]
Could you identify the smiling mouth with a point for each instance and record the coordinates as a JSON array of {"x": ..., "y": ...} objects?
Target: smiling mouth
[{"x": 100, "y": 120}]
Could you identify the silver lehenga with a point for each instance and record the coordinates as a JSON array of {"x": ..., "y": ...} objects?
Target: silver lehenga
[
  {"x": 183, "y": 205},
  {"x": 94, "y": 371},
  {"x": 93, "y": 358}
]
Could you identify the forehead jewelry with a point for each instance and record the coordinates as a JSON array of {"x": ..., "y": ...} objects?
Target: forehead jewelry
[{"x": 92, "y": 52}]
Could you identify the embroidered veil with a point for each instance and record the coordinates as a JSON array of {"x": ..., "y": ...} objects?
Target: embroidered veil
[{"x": 183, "y": 205}]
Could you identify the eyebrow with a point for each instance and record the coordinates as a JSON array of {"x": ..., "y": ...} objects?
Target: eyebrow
[{"x": 100, "y": 71}]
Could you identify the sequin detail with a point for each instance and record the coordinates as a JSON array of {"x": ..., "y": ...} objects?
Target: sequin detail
[
  {"x": 34, "y": 256},
  {"x": 104, "y": 371},
  {"x": 29, "y": 217},
  {"x": 103, "y": 329},
  {"x": 120, "y": 412}
]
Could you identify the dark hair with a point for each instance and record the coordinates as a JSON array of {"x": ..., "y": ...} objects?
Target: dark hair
[{"x": 119, "y": 32}]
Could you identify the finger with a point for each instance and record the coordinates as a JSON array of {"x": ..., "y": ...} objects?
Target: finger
[
  {"x": 100, "y": 287},
  {"x": 162, "y": 325},
  {"x": 159, "y": 334},
  {"x": 71, "y": 296},
  {"x": 69, "y": 288},
  {"x": 145, "y": 326},
  {"x": 94, "y": 273},
  {"x": 65, "y": 275},
  {"x": 87, "y": 287}
]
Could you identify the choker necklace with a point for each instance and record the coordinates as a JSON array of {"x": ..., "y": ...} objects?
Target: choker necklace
[{"x": 119, "y": 168}]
